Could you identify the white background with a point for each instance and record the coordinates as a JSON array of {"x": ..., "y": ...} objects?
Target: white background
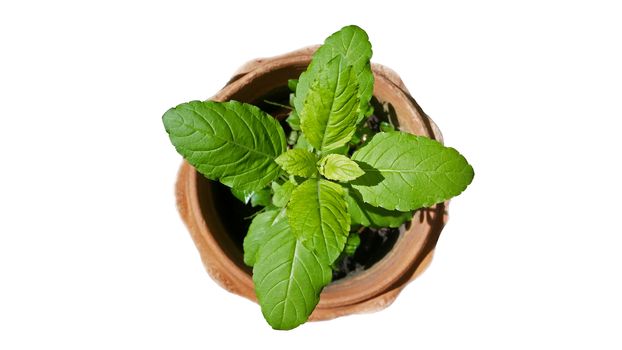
[{"x": 94, "y": 256}]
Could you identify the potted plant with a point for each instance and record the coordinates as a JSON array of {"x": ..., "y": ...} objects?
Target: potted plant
[{"x": 341, "y": 159}]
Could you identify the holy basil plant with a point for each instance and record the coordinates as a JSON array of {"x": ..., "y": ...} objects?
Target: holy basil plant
[{"x": 331, "y": 175}]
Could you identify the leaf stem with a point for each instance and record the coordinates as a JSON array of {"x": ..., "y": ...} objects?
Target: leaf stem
[{"x": 278, "y": 104}]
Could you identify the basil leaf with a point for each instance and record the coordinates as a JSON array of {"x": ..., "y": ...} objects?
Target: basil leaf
[
  {"x": 262, "y": 197},
  {"x": 302, "y": 143},
  {"x": 329, "y": 115},
  {"x": 339, "y": 168},
  {"x": 288, "y": 278},
  {"x": 291, "y": 84},
  {"x": 243, "y": 196},
  {"x": 317, "y": 212},
  {"x": 353, "y": 242},
  {"x": 298, "y": 162},
  {"x": 233, "y": 142},
  {"x": 352, "y": 43},
  {"x": 407, "y": 172},
  {"x": 258, "y": 233},
  {"x": 293, "y": 120},
  {"x": 282, "y": 193}
]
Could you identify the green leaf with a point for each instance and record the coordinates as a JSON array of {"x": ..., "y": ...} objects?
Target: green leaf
[
  {"x": 302, "y": 143},
  {"x": 282, "y": 193},
  {"x": 293, "y": 120},
  {"x": 408, "y": 172},
  {"x": 292, "y": 138},
  {"x": 317, "y": 213},
  {"x": 288, "y": 278},
  {"x": 233, "y": 142},
  {"x": 353, "y": 242},
  {"x": 353, "y": 44},
  {"x": 242, "y": 195},
  {"x": 298, "y": 162},
  {"x": 262, "y": 197},
  {"x": 291, "y": 84},
  {"x": 259, "y": 232},
  {"x": 339, "y": 168},
  {"x": 329, "y": 115},
  {"x": 339, "y": 150},
  {"x": 367, "y": 215},
  {"x": 386, "y": 127}
]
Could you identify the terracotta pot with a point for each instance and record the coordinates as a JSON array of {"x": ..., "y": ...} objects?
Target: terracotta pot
[{"x": 372, "y": 289}]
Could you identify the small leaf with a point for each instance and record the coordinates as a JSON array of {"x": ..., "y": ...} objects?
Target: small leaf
[
  {"x": 288, "y": 278},
  {"x": 233, "y": 142},
  {"x": 408, "y": 172},
  {"x": 365, "y": 214},
  {"x": 317, "y": 212},
  {"x": 242, "y": 195},
  {"x": 386, "y": 127},
  {"x": 258, "y": 233},
  {"x": 292, "y": 138},
  {"x": 262, "y": 197},
  {"x": 291, "y": 84},
  {"x": 353, "y": 242},
  {"x": 282, "y": 193},
  {"x": 302, "y": 143},
  {"x": 339, "y": 168},
  {"x": 298, "y": 162},
  {"x": 293, "y": 120},
  {"x": 369, "y": 110},
  {"x": 330, "y": 112},
  {"x": 353, "y": 44}
]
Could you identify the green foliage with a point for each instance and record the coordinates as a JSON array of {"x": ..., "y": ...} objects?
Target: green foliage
[
  {"x": 352, "y": 44},
  {"x": 305, "y": 226},
  {"x": 298, "y": 162},
  {"x": 282, "y": 193},
  {"x": 317, "y": 213},
  {"x": 407, "y": 172},
  {"x": 339, "y": 168},
  {"x": 294, "y": 120},
  {"x": 233, "y": 142},
  {"x": 259, "y": 232},
  {"x": 288, "y": 277},
  {"x": 330, "y": 111},
  {"x": 353, "y": 242}
]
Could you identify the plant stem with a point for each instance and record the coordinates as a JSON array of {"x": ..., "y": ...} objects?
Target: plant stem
[{"x": 277, "y": 104}]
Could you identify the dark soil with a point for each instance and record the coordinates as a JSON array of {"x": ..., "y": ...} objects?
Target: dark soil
[{"x": 375, "y": 244}]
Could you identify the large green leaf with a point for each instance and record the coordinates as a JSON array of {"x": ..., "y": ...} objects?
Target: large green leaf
[
  {"x": 352, "y": 43},
  {"x": 365, "y": 214},
  {"x": 288, "y": 278},
  {"x": 233, "y": 142},
  {"x": 298, "y": 162},
  {"x": 406, "y": 172},
  {"x": 329, "y": 115},
  {"x": 259, "y": 232},
  {"x": 339, "y": 168},
  {"x": 317, "y": 213}
]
